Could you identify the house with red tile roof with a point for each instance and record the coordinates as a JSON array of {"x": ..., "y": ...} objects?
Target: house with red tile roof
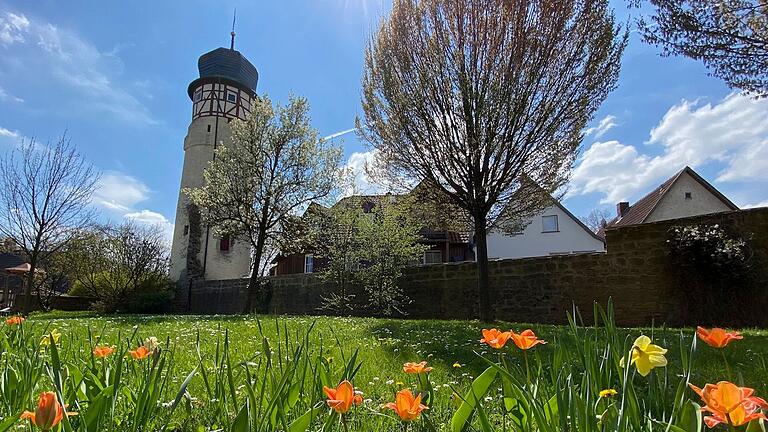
[{"x": 683, "y": 195}]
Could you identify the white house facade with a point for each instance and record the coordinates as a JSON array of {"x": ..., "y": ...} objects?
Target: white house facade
[{"x": 556, "y": 231}]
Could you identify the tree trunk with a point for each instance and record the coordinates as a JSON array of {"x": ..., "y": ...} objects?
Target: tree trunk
[
  {"x": 27, "y": 305},
  {"x": 487, "y": 314},
  {"x": 253, "y": 282}
]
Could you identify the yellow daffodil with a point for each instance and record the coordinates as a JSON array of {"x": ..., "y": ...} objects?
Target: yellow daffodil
[
  {"x": 607, "y": 393},
  {"x": 646, "y": 356},
  {"x": 46, "y": 340}
]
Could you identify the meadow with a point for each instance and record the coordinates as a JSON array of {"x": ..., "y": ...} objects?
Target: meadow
[{"x": 262, "y": 373}]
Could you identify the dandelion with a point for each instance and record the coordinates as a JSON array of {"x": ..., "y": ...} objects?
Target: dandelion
[
  {"x": 717, "y": 337},
  {"x": 103, "y": 351},
  {"x": 727, "y": 403},
  {"x": 526, "y": 340},
  {"x": 48, "y": 413},
  {"x": 416, "y": 368},
  {"x": 14, "y": 320},
  {"x": 406, "y": 405},
  {"x": 457, "y": 365},
  {"x": 343, "y": 397},
  {"x": 646, "y": 356},
  {"x": 608, "y": 393},
  {"x": 495, "y": 338}
]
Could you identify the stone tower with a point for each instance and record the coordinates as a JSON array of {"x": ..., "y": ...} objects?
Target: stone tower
[{"x": 225, "y": 91}]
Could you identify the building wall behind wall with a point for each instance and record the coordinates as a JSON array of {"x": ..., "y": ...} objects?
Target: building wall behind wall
[
  {"x": 570, "y": 238},
  {"x": 635, "y": 272}
]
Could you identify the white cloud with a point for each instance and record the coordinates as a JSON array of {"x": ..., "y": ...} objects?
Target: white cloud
[
  {"x": 148, "y": 217},
  {"x": 606, "y": 124},
  {"x": 6, "y": 97},
  {"x": 8, "y": 133},
  {"x": 361, "y": 182},
  {"x": 13, "y": 28},
  {"x": 760, "y": 204},
  {"x": 732, "y": 134},
  {"x": 52, "y": 54},
  {"x": 119, "y": 192}
]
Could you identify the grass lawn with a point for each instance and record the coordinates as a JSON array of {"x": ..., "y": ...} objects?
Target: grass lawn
[{"x": 383, "y": 344}]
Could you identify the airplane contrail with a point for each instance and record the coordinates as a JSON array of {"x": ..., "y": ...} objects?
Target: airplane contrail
[{"x": 338, "y": 134}]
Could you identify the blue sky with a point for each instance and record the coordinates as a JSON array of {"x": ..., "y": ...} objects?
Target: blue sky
[{"x": 114, "y": 75}]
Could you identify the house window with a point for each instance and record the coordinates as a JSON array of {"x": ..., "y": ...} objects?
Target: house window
[
  {"x": 688, "y": 196},
  {"x": 231, "y": 97},
  {"x": 433, "y": 257},
  {"x": 309, "y": 263},
  {"x": 549, "y": 224},
  {"x": 225, "y": 243},
  {"x": 186, "y": 229}
]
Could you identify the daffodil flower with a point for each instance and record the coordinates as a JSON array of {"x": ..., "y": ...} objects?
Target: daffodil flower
[
  {"x": 46, "y": 340},
  {"x": 646, "y": 356}
]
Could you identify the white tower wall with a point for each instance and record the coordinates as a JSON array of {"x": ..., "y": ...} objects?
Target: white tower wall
[{"x": 197, "y": 251}]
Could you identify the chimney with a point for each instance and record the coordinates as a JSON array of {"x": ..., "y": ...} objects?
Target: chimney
[{"x": 622, "y": 208}]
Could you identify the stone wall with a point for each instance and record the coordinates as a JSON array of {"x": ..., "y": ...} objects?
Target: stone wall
[{"x": 635, "y": 273}]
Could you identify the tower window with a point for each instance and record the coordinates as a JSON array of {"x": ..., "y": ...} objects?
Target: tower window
[
  {"x": 198, "y": 96},
  {"x": 309, "y": 263},
  {"x": 688, "y": 196},
  {"x": 209, "y": 128},
  {"x": 225, "y": 243},
  {"x": 186, "y": 229},
  {"x": 231, "y": 97}
]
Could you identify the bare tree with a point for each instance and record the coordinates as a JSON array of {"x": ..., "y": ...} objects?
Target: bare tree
[
  {"x": 485, "y": 100},
  {"x": 729, "y": 37},
  {"x": 111, "y": 263},
  {"x": 596, "y": 219},
  {"x": 45, "y": 196},
  {"x": 274, "y": 167}
]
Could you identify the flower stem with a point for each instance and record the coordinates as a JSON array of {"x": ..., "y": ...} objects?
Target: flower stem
[
  {"x": 727, "y": 367},
  {"x": 344, "y": 422}
]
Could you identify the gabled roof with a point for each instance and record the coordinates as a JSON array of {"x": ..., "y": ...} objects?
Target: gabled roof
[
  {"x": 643, "y": 208},
  {"x": 578, "y": 221}
]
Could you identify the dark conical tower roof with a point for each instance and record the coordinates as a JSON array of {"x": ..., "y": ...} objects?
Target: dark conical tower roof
[{"x": 226, "y": 65}]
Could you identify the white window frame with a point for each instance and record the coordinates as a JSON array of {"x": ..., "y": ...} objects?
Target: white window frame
[
  {"x": 544, "y": 226},
  {"x": 432, "y": 253},
  {"x": 309, "y": 259}
]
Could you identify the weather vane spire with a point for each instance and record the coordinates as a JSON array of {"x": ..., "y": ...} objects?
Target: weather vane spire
[{"x": 234, "y": 18}]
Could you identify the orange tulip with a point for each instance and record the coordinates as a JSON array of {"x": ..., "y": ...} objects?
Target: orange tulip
[
  {"x": 406, "y": 406},
  {"x": 342, "y": 397},
  {"x": 48, "y": 413},
  {"x": 494, "y": 338},
  {"x": 717, "y": 337},
  {"x": 140, "y": 353},
  {"x": 103, "y": 351},
  {"x": 416, "y": 368},
  {"x": 14, "y": 320},
  {"x": 526, "y": 340},
  {"x": 730, "y": 404}
]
